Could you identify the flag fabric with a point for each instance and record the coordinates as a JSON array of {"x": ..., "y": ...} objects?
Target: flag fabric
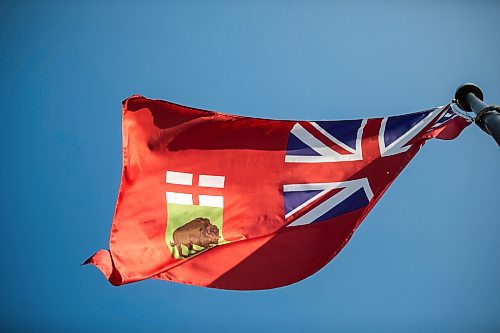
[{"x": 233, "y": 202}]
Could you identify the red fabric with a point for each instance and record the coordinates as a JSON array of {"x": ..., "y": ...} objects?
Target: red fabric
[{"x": 262, "y": 252}]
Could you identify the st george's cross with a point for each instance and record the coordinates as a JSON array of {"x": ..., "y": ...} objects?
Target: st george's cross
[
  {"x": 188, "y": 198},
  {"x": 234, "y": 202}
]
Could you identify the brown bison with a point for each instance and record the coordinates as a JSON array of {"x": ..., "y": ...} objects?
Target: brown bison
[{"x": 198, "y": 232}]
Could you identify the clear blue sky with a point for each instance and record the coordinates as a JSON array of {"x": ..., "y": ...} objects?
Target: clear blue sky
[{"x": 426, "y": 259}]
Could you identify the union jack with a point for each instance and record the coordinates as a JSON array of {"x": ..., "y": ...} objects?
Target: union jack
[{"x": 345, "y": 145}]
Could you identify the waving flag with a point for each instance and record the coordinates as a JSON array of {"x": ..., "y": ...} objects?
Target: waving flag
[{"x": 232, "y": 202}]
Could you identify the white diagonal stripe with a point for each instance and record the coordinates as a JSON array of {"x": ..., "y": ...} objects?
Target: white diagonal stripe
[
  {"x": 349, "y": 187},
  {"x": 211, "y": 200},
  {"x": 303, "y": 135},
  {"x": 180, "y": 178},
  {"x": 179, "y": 198},
  {"x": 211, "y": 181},
  {"x": 398, "y": 146},
  {"x": 322, "y": 208},
  {"x": 329, "y": 136},
  {"x": 327, "y": 153},
  {"x": 293, "y": 211},
  {"x": 324, "y": 187}
]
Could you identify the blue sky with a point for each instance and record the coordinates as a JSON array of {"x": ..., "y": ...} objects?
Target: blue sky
[{"x": 425, "y": 259}]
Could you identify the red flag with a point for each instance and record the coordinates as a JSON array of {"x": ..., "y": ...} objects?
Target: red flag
[{"x": 233, "y": 202}]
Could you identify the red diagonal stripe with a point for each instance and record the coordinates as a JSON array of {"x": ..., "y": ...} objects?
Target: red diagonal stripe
[
  {"x": 321, "y": 137},
  {"x": 313, "y": 204}
]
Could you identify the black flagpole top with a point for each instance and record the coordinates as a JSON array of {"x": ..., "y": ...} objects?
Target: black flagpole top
[
  {"x": 462, "y": 92},
  {"x": 470, "y": 98}
]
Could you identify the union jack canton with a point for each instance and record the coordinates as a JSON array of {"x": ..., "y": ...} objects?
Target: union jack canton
[{"x": 354, "y": 150}]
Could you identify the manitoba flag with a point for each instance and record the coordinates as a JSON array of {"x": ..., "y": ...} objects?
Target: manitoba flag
[{"x": 232, "y": 202}]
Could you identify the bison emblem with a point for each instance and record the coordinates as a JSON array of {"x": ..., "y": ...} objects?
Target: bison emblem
[{"x": 198, "y": 232}]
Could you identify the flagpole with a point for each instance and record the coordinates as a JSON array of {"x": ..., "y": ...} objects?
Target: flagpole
[{"x": 470, "y": 98}]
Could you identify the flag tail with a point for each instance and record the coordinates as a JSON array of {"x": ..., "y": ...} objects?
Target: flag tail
[{"x": 103, "y": 261}]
